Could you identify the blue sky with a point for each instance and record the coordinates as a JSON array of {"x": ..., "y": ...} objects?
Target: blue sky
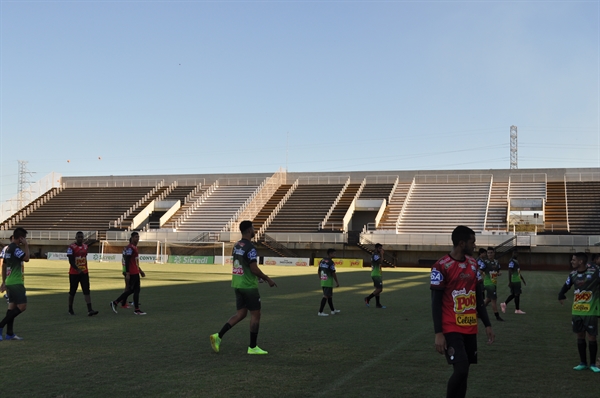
[{"x": 210, "y": 87}]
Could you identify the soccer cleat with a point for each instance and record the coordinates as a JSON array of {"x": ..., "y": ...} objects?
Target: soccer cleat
[
  {"x": 322, "y": 314},
  {"x": 215, "y": 342},
  {"x": 139, "y": 312},
  {"x": 519, "y": 312},
  {"x": 71, "y": 312},
  {"x": 92, "y": 313},
  {"x": 594, "y": 369},
  {"x": 380, "y": 306},
  {"x": 367, "y": 301},
  {"x": 581, "y": 366},
  {"x": 13, "y": 337},
  {"x": 333, "y": 312},
  {"x": 503, "y": 307},
  {"x": 114, "y": 307},
  {"x": 257, "y": 351},
  {"x": 499, "y": 319}
]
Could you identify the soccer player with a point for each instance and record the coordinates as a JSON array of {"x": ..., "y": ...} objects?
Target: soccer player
[
  {"x": 13, "y": 281},
  {"x": 514, "y": 283},
  {"x": 482, "y": 257},
  {"x": 457, "y": 302},
  {"x": 78, "y": 273},
  {"x": 327, "y": 275},
  {"x": 376, "y": 262},
  {"x": 2, "y": 259},
  {"x": 586, "y": 307},
  {"x": 491, "y": 270},
  {"x": 131, "y": 265},
  {"x": 244, "y": 281}
]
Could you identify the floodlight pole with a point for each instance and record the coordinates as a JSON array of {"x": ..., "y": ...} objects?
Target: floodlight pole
[{"x": 513, "y": 148}]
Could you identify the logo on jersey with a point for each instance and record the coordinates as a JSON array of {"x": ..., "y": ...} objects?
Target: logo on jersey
[
  {"x": 464, "y": 301},
  {"x": 436, "y": 277}
]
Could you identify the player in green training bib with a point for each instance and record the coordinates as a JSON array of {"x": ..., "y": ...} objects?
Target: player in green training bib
[
  {"x": 586, "y": 307},
  {"x": 13, "y": 281},
  {"x": 491, "y": 271},
  {"x": 327, "y": 276},
  {"x": 376, "y": 263},
  {"x": 244, "y": 280},
  {"x": 514, "y": 283}
]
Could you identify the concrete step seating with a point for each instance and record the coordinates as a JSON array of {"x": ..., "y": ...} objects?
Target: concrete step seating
[
  {"x": 305, "y": 209},
  {"x": 439, "y": 208},
  {"x": 214, "y": 214},
  {"x": 84, "y": 208},
  {"x": 583, "y": 200}
]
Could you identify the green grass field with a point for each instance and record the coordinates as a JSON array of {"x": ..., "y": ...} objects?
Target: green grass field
[{"x": 362, "y": 352}]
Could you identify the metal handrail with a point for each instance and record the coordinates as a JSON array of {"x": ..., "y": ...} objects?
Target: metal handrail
[
  {"x": 405, "y": 204},
  {"x": 275, "y": 211},
  {"x": 487, "y": 206},
  {"x": 335, "y": 202}
]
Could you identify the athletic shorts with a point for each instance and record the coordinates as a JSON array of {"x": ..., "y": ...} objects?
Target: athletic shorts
[
  {"x": 134, "y": 282},
  {"x": 515, "y": 288},
  {"x": 16, "y": 294},
  {"x": 490, "y": 292},
  {"x": 328, "y": 291},
  {"x": 76, "y": 279},
  {"x": 461, "y": 347},
  {"x": 588, "y": 324},
  {"x": 377, "y": 282},
  {"x": 247, "y": 298}
]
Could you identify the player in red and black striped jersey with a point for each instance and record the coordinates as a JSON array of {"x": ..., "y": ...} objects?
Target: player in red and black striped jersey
[
  {"x": 78, "y": 273},
  {"x": 457, "y": 302}
]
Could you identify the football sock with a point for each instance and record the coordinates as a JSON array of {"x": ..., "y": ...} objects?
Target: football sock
[
  {"x": 508, "y": 300},
  {"x": 9, "y": 328},
  {"x": 370, "y": 297},
  {"x": 497, "y": 315},
  {"x": 224, "y": 329},
  {"x": 593, "y": 350},
  {"x": 377, "y": 300},
  {"x": 330, "y": 301},
  {"x": 89, "y": 305},
  {"x": 323, "y": 301},
  {"x": 10, "y": 315},
  {"x": 253, "y": 337},
  {"x": 581, "y": 349},
  {"x": 517, "y": 302},
  {"x": 457, "y": 384}
]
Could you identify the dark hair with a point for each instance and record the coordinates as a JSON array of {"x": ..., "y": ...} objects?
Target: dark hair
[
  {"x": 329, "y": 251},
  {"x": 11, "y": 237},
  {"x": 581, "y": 256},
  {"x": 245, "y": 225},
  {"x": 595, "y": 256},
  {"x": 482, "y": 250},
  {"x": 378, "y": 246},
  {"x": 79, "y": 232},
  {"x": 461, "y": 234},
  {"x": 491, "y": 248},
  {"x": 134, "y": 233},
  {"x": 19, "y": 233}
]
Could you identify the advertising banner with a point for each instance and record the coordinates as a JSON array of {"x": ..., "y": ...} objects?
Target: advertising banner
[
  {"x": 293, "y": 261},
  {"x": 348, "y": 262},
  {"x": 228, "y": 260},
  {"x": 191, "y": 260}
]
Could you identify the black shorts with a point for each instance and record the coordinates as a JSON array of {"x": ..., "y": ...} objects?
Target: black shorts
[
  {"x": 247, "y": 298},
  {"x": 377, "y": 282},
  {"x": 588, "y": 324},
  {"x": 134, "y": 282},
  {"x": 515, "y": 288},
  {"x": 16, "y": 294},
  {"x": 327, "y": 291},
  {"x": 75, "y": 280},
  {"x": 461, "y": 347},
  {"x": 490, "y": 291}
]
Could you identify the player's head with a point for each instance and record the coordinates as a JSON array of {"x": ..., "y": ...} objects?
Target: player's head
[
  {"x": 134, "y": 238},
  {"x": 482, "y": 252},
  {"x": 19, "y": 233},
  {"x": 464, "y": 238},
  {"x": 79, "y": 237},
  {"x": 331, "y": 253},
  {"x": 247, "y": 229},
  {"x": 378, "y": 247},
  {"x": 596, "y": 259},
  {"x": 579, "y": 260},
  {"x": 491, "y": 252},
  {"x": 12, "y": 237},
  {"x": 515, "y": 253}
]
